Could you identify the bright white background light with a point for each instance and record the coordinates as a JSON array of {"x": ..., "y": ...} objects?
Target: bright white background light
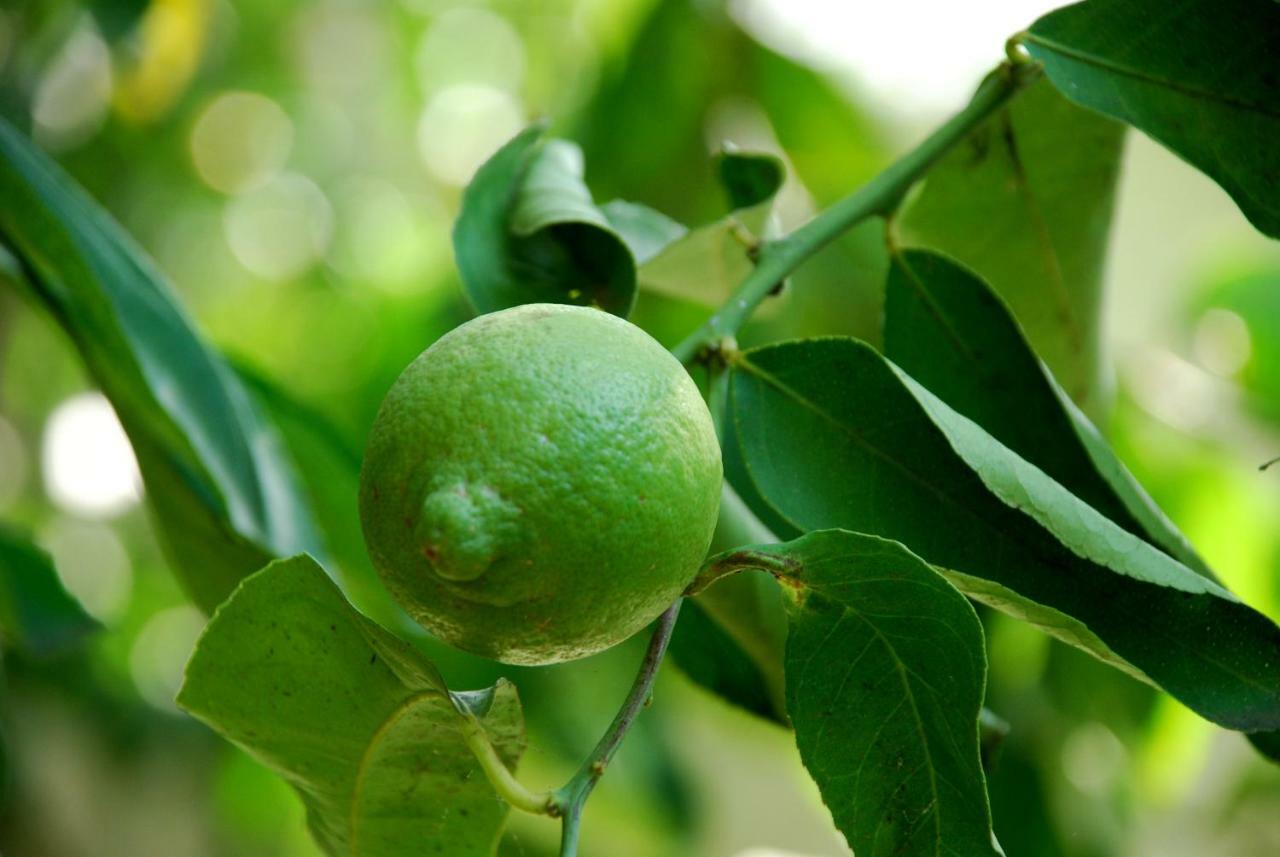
[
  {"x": 88, "y": 464},
  {"x": 914, "y": 56}
]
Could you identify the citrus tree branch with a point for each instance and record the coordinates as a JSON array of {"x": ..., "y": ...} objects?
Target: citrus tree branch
[
  {"x": 570, "y": 798},
  {"x": 566, "y": 802},
  {"x": 880, "y": 196}
]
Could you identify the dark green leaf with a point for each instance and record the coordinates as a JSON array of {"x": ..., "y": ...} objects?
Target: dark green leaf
[
  {"x": 885, "y": 672},
  {"x": 948, "y": 330},
  {"x": 1267, "y": 743},
  {"x": 749, "y": 178},
  {"x": 116, "y": 18},
  {"x": 216, "y": 478},
  {"x": 1198, "y": 76},
  {"x": 529, "y": 232},
  {"x": 36, "y": 613},
  {"x": 830, "y": 434},
  {"x": 1026, "y": 201},
  {"x": 356, "y": 720}
]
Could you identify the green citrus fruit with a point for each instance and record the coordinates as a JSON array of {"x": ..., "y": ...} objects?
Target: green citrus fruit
[{"x": 540, "y": 484}]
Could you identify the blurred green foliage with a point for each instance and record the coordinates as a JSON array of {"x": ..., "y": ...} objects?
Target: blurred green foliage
[{"x": 295, "y": 169}]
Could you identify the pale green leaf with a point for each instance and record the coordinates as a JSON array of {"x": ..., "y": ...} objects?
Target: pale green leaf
[{"x": 356, "y": 720}]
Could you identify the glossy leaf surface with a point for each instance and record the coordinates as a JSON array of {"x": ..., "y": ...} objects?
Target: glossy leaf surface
[
  {"x": 356, "y": 720},
  {"x": 1026, "y": 201},
  {"x": 885, "y": 673},
  {"x": 1200, "y": 77},
  {"x": 529, "y": 232},
  {"x": 948, "y": 330},
  {"x": 827, "y": 433},
  {"x": 217, "y": 479}
]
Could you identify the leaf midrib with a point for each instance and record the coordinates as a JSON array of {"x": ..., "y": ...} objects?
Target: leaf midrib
[
  {"x": 902, "y": 671},
  {"x": 1121, "y": 70}
]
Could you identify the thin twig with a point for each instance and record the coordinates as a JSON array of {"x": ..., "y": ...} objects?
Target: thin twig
[{"x": 570, "y": 798}]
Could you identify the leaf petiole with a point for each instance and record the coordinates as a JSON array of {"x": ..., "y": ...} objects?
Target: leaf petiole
[{"x": 500, "y": 777}]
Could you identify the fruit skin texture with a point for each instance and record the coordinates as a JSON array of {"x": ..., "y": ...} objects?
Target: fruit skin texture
[{"x": 540, "y": 484}]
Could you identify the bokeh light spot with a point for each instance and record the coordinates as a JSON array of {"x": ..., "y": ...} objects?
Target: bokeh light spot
[
  {"x": 74, "y": 93},
  {"x": 240, "y": 141},
  {"x": 93, "y": 565},
  {"x": 381, "y": 237},
  {"x": 88, "y": 463},
  {"x": 279, "y": 230},
  {"x": 1093, "y": 758},
  {"x": 1222, "y": 344},
  {"x": 891, "y": 54},
  {"x": 160, "y": 652},
  {"x": 462, "y": 126},
  {"x": 471, "y": 45}
]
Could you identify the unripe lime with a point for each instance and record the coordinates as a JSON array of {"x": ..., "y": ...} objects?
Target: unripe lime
[{"x": 540, "y": 484}]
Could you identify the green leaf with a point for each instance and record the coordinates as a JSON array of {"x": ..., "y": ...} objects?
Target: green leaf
[
  {"x": 529, "y": 232},
  {"x": 948, "y": 330},
  {"x": 355, "y": 719},
  {"x": 217, "y": 480},
  {"x": 646, "y": 231},
  {"x": 1198, "y": 76},
  {"x": 329, "y": 465},
  {"x": 885, "y": 671},
  {"x": 706, "y": 264},
  {"x": 1026, "y": 201},
  {"x": 827, "y": 433},
  {"x": 749, "y": 178},
  {"x": 36, "y": 612},
  {"x": 1267, "y": 743}
]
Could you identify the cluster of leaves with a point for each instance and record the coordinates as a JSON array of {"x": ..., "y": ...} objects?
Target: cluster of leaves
[{"x": 956, "y": 464}]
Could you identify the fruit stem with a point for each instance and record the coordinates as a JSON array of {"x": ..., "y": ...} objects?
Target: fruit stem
[
  {"x": 880, "y": 196},
  {"x": 500, "y": 777},
  {"x": 568, "y": 800}
]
